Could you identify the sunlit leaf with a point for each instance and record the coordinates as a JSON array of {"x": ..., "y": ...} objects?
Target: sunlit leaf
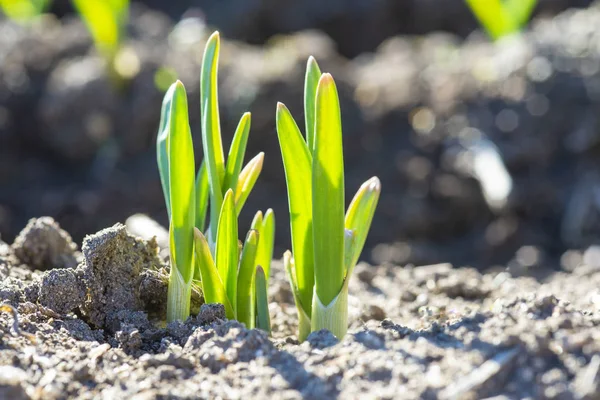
[
  {"x": 360, "y": 214},
  {"x": 235, "y": 159},
  {"x": 297, "y": 163},
  {"x": 245, "y": 286},
  {"x": 211, "y": 128},
  {"x": 227, "y": 248},
  {"x": 313, "y": 74},
  {"x": 246, "y": 181},
  {"x": 162, "y": 154},
  {"x": 212, "y": 286},
  {"x": 263, "y": 320},
  {"x": 328, "y": 193}
]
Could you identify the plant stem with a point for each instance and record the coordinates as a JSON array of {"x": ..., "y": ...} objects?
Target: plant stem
[
  {"x": 334, "y": 316},
  {"x": 178, "y": 296}
]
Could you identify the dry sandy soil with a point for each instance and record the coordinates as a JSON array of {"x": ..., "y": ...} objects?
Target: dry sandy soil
[{"x": 89, "y": 327}]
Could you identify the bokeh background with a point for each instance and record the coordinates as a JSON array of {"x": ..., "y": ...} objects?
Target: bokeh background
[{"x": 488, "y": 152}]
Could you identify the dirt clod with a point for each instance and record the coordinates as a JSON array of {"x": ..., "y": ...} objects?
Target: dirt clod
[
  {"x": 112, "y": 271},
  {"x": 43, "y": 245},
  {"x": 61, "y": 290}
]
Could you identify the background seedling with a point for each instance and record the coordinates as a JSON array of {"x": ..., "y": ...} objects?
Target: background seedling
[
  {"x": 502, "y": 17},
  {"x": 23, "y": 11}
]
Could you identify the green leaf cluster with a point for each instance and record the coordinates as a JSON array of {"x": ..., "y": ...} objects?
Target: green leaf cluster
[
  {"x": 326, "y": 242},
  {"x": 219, "y": 189},
  {"x": 235, "y": 277},
  {"x": 502, "y": 17}
]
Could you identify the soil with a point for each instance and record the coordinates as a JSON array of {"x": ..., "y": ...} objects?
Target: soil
[{"x": 432, "y": 332}]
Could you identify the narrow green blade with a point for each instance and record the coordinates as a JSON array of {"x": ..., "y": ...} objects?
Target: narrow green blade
[
  {"x": 349, "y": 245},
  {"x": 297, "y": 163},
  {"x": 311, "y": 80},
  {"x": 202, "y": 194},
  {"x": 520, "y": 10},
  {"x": 227, "y": 248},
  {"x": 263, "y": 319},
  {"x": 246, "y": 181},
  {"x": 245, "y": 284},
  {"x": 212, "y": 286},
  {"x": 182, "y": 196},
  {"x": 257, "y": 221},
  {"x": 105, "y": 20},
  {"x": 360, "y": 214},
  {"x": 264, "y": 255},
  {"x": 162, "y": 155},
  {"x": 235, "y": 159},
  {"x": 181, "y": 178},
  {"x": 328, "y": 193},
  {"x": 494, "y": 17},
  {"x": 211, "y": 129}
]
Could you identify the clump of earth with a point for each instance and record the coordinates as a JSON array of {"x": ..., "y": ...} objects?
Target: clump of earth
[{"x": 94, "y": 328}]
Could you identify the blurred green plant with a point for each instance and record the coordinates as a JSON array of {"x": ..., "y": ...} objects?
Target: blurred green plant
[
  {"x": 502, "y": 17},
  {"x": 325, "y": 243},
  {"x": 106, "y": 21},
  {"x": 187, "y": 199},
  {"x": 23, "y": 11}
]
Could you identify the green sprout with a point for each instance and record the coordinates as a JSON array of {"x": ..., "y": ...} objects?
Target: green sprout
[
  {"x": 326, "y": 244},
  {"x": 236, "y": 281},
  {"x": 23, "y": 11},
  {"x": 106, "y": 21},
  {"x": 502, "y": 17},
  {"x": 188, "y": 195}
]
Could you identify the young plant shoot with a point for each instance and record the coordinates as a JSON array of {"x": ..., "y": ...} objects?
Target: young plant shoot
[
  {"x": 502, "y": 17},
  {"x": 106, "y": 21},
  {"x": 326, "y": 243},
  {"x": 188, "y": 195},
  {"x": 235, "y": 281}
]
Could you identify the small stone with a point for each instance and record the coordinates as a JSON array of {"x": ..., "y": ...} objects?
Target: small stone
[{"x": 322, "y": 339}]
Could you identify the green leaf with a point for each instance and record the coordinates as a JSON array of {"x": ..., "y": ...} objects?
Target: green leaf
[
  {"x": 202, "y": 194},
  {"x": 328, "y": 193},
  {"x": 494, "y": 17},
  {"x": 162, "y": 155},
  {"x": 246, "y": 181},
  {"x": 23, "y": 10},
  {"x": 257, "y": 221},
  {"x": 520, "y": 10},
  {"x": 227, "y": 248},
  {"x": 311, "y": 80},
  {"x": 105, "y": 20},
  {"x": 212, "y": 286},
  {"x": 181, "y": 178},
  {"x": 235, "y": 159},
  {"x": 360, "y": 214},
  {"x": 182, "y": 197},
  {"x": 211, "y": 129},
  {"x": 245, "y": 285},
  {"x": 264, "y": 254},
  {"x": 263, "y": 320},
  {"x": 297, "y": 163}
]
